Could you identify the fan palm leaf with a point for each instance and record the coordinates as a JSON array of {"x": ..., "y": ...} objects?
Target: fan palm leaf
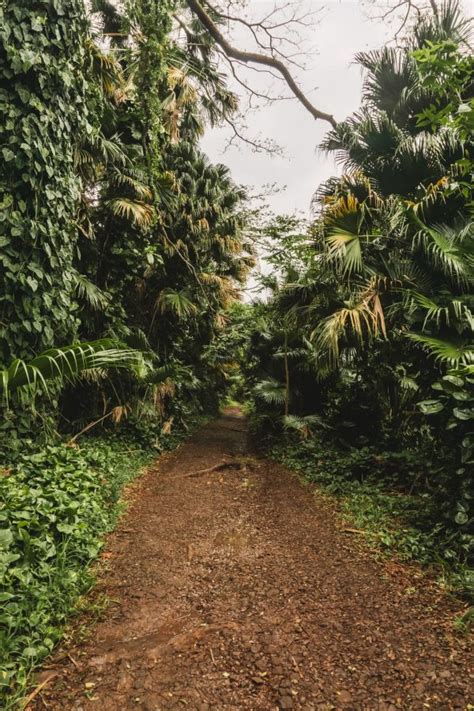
[
  {"x": 452, "y": 353},
  {"x": 271, "y": 391},
  {"x": 345, "y": 246},
  {"x": 176, "y": 302},
  {"x": 136, "y": 211}
]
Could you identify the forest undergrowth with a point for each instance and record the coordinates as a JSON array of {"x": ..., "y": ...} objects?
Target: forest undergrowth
[
  {"x": 381, "y": 508},
  {"x": 58, "y": 504}
]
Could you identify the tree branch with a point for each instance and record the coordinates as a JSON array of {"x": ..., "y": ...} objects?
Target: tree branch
[
  {"x": 256, "y": 58},
  {"x": 434, "y": 7}
]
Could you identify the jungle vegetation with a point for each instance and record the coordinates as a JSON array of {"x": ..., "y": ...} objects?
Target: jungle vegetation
[
  {"x": 363, "y": 344},
  {"x": 123, "y": 255}
]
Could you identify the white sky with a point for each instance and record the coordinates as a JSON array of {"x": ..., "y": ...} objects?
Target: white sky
[{"x": 342, "y": 30}]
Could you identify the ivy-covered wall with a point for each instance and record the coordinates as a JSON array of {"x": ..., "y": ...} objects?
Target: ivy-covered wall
[{"x": 42, "y": 113}]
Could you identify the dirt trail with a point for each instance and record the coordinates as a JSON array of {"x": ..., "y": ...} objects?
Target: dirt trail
[{"x": 238, "y": 590}]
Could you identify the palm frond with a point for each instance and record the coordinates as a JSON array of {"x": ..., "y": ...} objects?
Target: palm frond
[
  {"x": 136, "y": 211},
  {"x": 346, "y": 248},
  {"x": 452, "y": 310},
  {"x": 452, "y": 353},
  {"x": 303, "y": 425},
  {"x": 446, "y": 250},
  {"x": 175, "y": 302},
  {"x": 271, "y": 391},
  {"x": 364, "y": 319},
  {"x": 60, "y": 365},
  {"x": 134, "y": 182},
  {"x": 90, "y": 292}
]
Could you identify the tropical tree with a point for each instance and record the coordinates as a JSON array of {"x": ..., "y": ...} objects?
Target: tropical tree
[{"x": 380, "y": 315}]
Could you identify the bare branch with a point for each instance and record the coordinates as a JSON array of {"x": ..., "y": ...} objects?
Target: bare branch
[
  {"x": 252, "y": 92},
  {"x": 257, "y": 58},
  {"x": 269, "y": 147},
  {"x": 268, "y": 29}
]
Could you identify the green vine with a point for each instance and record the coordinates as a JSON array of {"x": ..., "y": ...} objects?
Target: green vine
[
  {"x": 42, "y": 105},
  {"x": 153, "y": 18}
]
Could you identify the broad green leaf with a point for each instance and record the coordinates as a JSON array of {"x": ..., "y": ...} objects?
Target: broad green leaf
[{"x": 430, "y": 407}]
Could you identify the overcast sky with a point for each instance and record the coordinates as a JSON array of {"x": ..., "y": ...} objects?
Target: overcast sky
[{"x": 333, "y": 83}]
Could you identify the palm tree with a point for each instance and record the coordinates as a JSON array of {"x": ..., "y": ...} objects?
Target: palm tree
[
  {"x": 395, "y": 226},
  {"x": 390, "y": 277}
]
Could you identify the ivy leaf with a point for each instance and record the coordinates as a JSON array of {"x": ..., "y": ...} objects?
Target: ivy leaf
[
  {"x": 5, "y": 596},
  {"x": 32, "y": 282},
  {"x": 65, "y": 528},
  {"x": 30, "y": 652},
  {"x": 461, "y": 518},
  {"x": 6, "y": 537},
  {"x": 36, "y": 24},
  {"x": 8, "y": 154}
]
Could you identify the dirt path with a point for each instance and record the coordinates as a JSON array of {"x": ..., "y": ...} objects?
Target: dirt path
[{"x": 239, "y": 590}]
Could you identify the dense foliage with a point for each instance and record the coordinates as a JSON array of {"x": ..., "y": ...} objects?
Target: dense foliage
[
  {"x": 118, "y": 226},
  {"x": 121, "y": 247},
  {"x": 57, "y": 504},
  {"x": 42, "y": 103},
  {"x": 365, "y": 345}
]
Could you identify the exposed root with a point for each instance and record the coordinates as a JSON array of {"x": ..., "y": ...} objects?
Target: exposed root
[{"x": 226, "y": 464}]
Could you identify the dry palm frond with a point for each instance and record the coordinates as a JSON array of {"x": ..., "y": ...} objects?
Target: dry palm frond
[
  {"x": 228, "y": 244},
  {"x": 138, "y": 212},
  {"x": 340, "y": 206},
  {"x": 220, "y": 321},
  {"x": 434, "y": 192},
  {"x": 203, "y": 224},
  {"x": 161, "y": 391},
  {"x": 207, "y": 278},
  {"x": 364, "y": 319},
  {"x": 166, "y": 429},
  {"x": 107, "y": 68},
  {"x": 125, "y": 89},
  {"x": 119, "y": 413}
]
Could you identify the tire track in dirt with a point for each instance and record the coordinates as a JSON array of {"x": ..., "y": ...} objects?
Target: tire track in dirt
[{"x": 237, "y": 589}]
